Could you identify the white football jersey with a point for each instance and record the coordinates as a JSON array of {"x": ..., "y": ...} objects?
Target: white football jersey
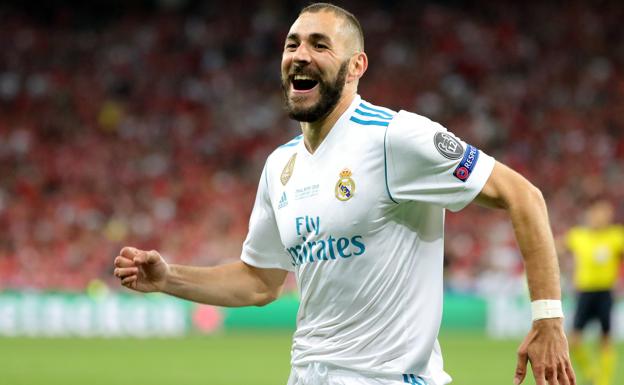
[{"x": 361, "y": 223}]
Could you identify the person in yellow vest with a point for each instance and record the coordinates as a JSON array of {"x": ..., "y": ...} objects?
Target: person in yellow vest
[{"x": 597, "y": 248}]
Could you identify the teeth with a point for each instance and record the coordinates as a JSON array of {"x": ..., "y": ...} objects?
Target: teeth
[{"x": 302, "y": 77}]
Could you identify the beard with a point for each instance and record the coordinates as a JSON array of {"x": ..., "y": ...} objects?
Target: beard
[{"x": 330, "y": 93}]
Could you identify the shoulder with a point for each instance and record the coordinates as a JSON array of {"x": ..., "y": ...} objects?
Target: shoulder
[
  {"x": 291, "y": 143},
  {"x": 617, "y": 232},
  {"x": 419, "y": 123},
  {"x": 371, "y": 115},
  {"x": 409, "y": 130},
  {"x": 280, "y": 157},
  {"x": 414, "y": 134},
  {"x": 620, "y": 235},
  {"x": 284, "y": 151}
]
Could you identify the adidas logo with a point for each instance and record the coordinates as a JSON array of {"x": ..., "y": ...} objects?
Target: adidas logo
[{"x": 283, "y": 201}]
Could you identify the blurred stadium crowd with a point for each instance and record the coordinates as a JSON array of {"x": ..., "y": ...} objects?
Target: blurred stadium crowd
[{"x": 150, "y": 127}]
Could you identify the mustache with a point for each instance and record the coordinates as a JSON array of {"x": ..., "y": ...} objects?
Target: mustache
[{"x": 298, "y": 70}]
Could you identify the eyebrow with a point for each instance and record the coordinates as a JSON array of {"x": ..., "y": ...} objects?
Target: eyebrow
[{"x": 316, "y": 36}]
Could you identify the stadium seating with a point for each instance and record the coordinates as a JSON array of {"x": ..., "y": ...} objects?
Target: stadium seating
[{"x": 151, "y": 127}]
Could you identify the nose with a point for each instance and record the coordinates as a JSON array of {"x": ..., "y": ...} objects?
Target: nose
[{"x": 302, "y": 54}]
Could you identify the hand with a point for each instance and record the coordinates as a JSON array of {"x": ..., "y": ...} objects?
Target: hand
[
  {"x": 546, "y": 347},
  {"x": 144, "y": 271}
]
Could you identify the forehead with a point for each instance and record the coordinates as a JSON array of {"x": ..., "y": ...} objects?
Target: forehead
[{"x": 323, "y": 22}]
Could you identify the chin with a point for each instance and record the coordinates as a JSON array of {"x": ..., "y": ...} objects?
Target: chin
[
  {"x": 304, "y": 98},
  {"x": 299, "y": 104}
]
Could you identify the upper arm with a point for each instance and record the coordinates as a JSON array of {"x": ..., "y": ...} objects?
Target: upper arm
[
  {"x": 505, "y": 188},
  {"x": 426, "y": 163}
]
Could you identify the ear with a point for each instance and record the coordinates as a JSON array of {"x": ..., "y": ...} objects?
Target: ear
[{"x": 357, "y": 66}]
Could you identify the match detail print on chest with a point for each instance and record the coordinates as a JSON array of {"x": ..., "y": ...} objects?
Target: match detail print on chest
[
  {"x": 305, "y": 184},
  {"x": 307, "y": 187}
]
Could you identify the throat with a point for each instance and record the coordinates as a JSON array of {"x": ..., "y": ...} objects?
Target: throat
[
  {"x": 313, "y": 137},
  {"x": 314, "y": 133}
]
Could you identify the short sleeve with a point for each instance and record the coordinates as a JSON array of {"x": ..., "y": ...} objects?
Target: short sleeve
[
  {"x": 263, "y": 246},
  {"x": 426, "y": 163}
]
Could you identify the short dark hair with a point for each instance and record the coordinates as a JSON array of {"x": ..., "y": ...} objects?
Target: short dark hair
[{"x": 348, "y": 17}]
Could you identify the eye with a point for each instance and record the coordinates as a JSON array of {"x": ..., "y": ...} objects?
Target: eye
[
  {"x": 320, "y": 46},
  {"x": 291, "y": 46}
]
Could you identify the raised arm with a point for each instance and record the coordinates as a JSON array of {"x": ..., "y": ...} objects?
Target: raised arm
[
  {"x": 234, "y": 284},
  {"x": 545, "y": 346}
]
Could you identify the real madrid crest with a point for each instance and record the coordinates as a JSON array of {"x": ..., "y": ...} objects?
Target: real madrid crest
[
  {"x": 288, "y": 169},
  {"x": 345, "y": 187}
]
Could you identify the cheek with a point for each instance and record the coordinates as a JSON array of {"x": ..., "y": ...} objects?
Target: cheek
[{"x": 286, "y": 62}]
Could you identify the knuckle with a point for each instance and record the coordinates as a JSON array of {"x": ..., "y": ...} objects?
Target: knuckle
[{"x": 128, "y": 251}]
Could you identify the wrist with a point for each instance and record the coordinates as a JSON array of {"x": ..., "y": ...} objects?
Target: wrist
[
  {"x": 168, "y": 280},
  {"x": 546, "y": 309}
]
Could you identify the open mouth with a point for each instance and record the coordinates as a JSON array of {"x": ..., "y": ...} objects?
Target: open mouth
[{"x": 303, "y": 82}]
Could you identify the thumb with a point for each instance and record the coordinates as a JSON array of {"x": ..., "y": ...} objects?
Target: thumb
[
  {"x": 147, "y": 257},
  {"x": 521, "y": 367}
]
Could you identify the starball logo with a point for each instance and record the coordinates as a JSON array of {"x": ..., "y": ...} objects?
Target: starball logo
[
  {"x": 467, "y": 164},
  {"x": 314, "y": 248}
]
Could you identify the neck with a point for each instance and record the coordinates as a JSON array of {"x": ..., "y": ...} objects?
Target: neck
[{"x": 315, "y": 132}]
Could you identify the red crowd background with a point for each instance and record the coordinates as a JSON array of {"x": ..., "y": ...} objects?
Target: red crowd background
[{"x": 149, "y": 125}]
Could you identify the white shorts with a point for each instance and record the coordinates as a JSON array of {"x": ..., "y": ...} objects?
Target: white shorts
[{"x": 321, "y": 374}]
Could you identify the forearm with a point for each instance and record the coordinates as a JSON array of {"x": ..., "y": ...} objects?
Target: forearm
[
  {"x": 508, "y": 190},
  {"x": 232, "y": 285},
  {"x": 532, "y": 229}
]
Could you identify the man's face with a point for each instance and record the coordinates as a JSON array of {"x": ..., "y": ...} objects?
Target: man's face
[
  {"x": 314, "y": 66},
  {"x": 600, "y": 214}
]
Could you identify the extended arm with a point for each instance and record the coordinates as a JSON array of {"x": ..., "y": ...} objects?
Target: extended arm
[
  {"x": 545, "y": 346},
  {"x": 506, "y": 189},
  {"x": 233, "y": 284}
]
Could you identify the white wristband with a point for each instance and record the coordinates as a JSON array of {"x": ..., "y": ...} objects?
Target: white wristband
[{"x": 546, "y": 308}]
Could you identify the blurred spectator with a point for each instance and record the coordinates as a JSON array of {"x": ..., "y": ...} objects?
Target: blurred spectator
[{"x": 150, "y": 127}]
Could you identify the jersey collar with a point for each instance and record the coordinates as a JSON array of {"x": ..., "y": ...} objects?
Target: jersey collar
[{"x": 340, "y": 123}]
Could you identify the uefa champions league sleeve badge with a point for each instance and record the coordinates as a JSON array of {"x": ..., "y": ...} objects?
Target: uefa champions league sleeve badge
[
  {"x": 345, "y": 187},
  {"x": 448, "y": 146}
]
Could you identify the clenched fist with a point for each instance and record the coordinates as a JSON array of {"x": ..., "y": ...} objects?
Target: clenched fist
[{"x": 140, "y": 270}]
